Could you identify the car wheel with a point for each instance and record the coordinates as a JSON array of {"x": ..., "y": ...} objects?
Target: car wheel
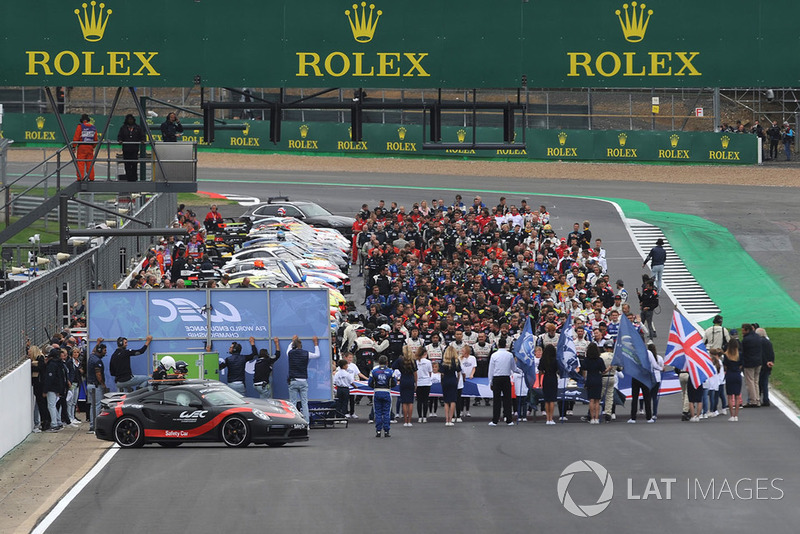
[
  {"x": 235, "y": 432},
  {"x": 170, "y": 444},
  {"x": 128, "y": 432},
  {"x": 276, "y": 444}
]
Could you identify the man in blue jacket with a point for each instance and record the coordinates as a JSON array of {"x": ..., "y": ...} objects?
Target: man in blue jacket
[{"x": 657, "y": 257}]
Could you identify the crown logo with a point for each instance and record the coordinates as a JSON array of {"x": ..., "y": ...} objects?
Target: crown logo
[
  {"x": 401, "y": 133},
  {"x": 40, "y": 122},
  {"x": 364, "y": 28},
  {"x": 196, "y": 132},
  {"x": 673, "y": 140},
  {"x": 562, "y": 138},
  {"x": 350, "y": 132},
  {"x": 623, "y": 138},
  {"x": 93, "y": 27},
  {"x": 725, "y": 141},
  {"x": 303, "y": 130},
  {"x": 461, "y": 134},
  {"x": 635, "y": 25},
  {"x": 246, "y": 129}
]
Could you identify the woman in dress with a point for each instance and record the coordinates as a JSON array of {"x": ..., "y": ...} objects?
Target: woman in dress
[
  {"x": 436, "y": 378},
  {"x": 450, "y": 369},
  {"x": 733, "y": 378},
  {"x": 593, "y": 368},
  {"x": 424, "y": 372},
  {"x": 657, "y": 370},
  {"x": 548, "y": 368},
  {"x": 468, "y": 364},
  {"x": 407, "y": 368}
]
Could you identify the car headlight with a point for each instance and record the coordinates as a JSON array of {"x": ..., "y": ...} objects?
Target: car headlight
[{"x": 261, "y": 415}]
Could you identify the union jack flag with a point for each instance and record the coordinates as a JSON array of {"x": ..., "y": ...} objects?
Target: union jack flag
[{"x": 686, "y": 350}]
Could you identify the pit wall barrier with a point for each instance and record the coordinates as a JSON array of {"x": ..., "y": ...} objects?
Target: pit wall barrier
[
  {"x": 628, "y": 146},
  {"x": 16, "y": 391}
]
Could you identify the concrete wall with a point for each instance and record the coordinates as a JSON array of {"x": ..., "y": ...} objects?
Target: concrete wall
[{"x": 16, "y": 396}]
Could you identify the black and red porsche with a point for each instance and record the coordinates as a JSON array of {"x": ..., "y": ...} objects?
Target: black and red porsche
[{"x": 172, "y": 412}]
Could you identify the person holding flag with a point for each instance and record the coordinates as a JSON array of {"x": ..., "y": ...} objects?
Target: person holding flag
[
  {"x": 524, "y": 349},
  {"x": 636, "y": 361},
  {"x": 568, "y": 362},
  {"x": 686, "y": 351}
]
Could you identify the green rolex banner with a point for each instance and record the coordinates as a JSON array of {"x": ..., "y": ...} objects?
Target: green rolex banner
[{"x": 411, "y": 44}]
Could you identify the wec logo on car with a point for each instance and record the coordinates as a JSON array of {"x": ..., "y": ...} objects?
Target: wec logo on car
[
  {"x": 190, "y": 312},
  {"x": 193, "y": 415}
]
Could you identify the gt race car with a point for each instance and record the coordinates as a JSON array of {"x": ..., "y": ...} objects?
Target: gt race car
[{"x": 171, "y": 412}]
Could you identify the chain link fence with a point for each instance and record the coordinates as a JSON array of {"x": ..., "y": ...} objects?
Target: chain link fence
[{"x": 35, "y": 309}]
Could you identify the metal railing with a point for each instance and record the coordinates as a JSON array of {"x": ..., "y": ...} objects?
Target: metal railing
[{"x": 34, "y": 309}]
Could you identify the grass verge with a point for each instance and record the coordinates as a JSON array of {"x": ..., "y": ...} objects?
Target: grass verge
[
  {"x": 48, "y": 235},
  {"x": 786, "y": 373}
]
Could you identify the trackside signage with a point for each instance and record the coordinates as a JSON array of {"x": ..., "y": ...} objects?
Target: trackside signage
[{"x": 412, "y": 44}]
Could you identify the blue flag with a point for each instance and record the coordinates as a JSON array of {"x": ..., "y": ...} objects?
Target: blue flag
[
  {"x": 566, "y": 354},
  {"x": 523, "y": 350},
  {"x": 630, "y": 353}
]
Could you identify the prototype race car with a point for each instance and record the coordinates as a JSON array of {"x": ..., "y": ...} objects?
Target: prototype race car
[{"x": 171, "y": 412}]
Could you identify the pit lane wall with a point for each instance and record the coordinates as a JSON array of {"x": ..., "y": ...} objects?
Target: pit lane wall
[
  {"x": 629, "y": 146},
  {"x": 15, "y": 390}
]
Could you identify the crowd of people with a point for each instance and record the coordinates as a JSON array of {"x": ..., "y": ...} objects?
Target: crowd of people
[
  {"x": 448, "y": 290},
  {"x": 772, "y": 137},
  {"x": 463, "y": 279}
]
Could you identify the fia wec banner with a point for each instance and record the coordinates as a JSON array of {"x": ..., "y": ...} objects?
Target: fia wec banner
[{"x": 187, "y": 321}]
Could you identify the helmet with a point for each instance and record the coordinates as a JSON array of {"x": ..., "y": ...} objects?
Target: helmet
[
  {"x": 282, "y": 212},
  {"x": 281, "y": 235},
  {"x": 168, "y": 362},
  {"x": 183, "y": 399},
  {"x": 352, "y": 317},
  {"x": 181, "y": 367}
]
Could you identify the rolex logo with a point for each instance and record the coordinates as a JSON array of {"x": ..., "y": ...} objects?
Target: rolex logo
[
  {"x": 401, "y": 133},
  {"x": 634, "y": 25},
  {"x": 303, "y": 131},
  {"x": 673, "y": 140},
  {"x": 462, "y": 135},
  {"x": 623, "y": 138},
  {"x": 40, "y": 122},
  {"x": 350, "y": 132},
  {"x": 196, "y": 132},
  {"x": 246, "y": 129},
  {"x": 94, "y": 26},
  {"x": 725, "y": 141},
  {"x": 363, "y": 28},
  {"x": 562, "y": 138}
]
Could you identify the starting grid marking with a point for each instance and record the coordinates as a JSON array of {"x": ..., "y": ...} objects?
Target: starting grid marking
[{"x": 678, "y": 281}]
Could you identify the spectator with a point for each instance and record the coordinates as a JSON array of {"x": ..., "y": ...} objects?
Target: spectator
[
  {"x": 752, "y": 360},
  {"x": 768, "y": 362},
  {"x": 55, "y": 386}
]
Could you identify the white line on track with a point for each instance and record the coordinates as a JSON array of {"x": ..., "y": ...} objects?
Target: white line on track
[{"x": 74, "y": 491}]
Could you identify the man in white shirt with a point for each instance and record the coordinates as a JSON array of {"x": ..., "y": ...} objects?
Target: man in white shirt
[{"x": 501, "y": 366}]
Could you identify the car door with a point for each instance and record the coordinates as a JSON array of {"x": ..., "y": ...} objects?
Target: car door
[{"x": 183, "y": 415}]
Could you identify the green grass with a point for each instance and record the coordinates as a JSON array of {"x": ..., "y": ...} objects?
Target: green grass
[
  {"x": 46, "y": 236},
  {"x": 193, "y": 199},
  {"x": 786, "y": 373}
]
